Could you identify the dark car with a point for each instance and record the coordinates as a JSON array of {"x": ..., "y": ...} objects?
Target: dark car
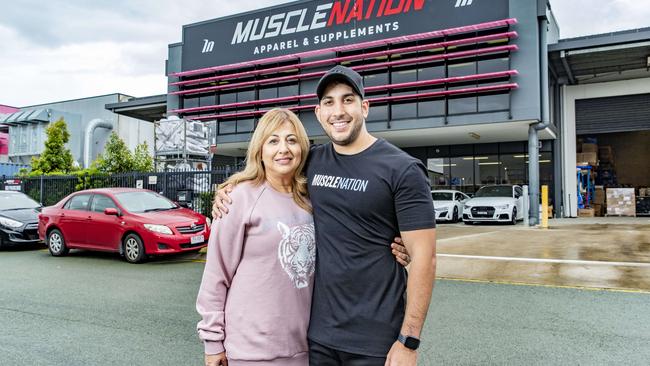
[
  {"x": 133, "y": 222},
  {"x": 18, "y": 219}
]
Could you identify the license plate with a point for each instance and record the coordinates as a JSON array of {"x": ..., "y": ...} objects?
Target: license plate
[
  {"x": 482, "y": 213},
  {"x": 197, "y": 239}
]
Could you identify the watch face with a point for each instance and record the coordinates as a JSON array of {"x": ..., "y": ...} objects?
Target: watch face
[{"x": 412, "y": 343}]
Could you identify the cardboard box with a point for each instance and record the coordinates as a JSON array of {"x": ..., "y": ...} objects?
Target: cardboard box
[
  {"x": 599, "y": 196},
  {"x": 588, "y": 148},
  {"x": 621, "y": 202},
  {"x": 590, "y": 158},
  {"x": 605, "y": 153},
  {"x": 598, "y": 210},
  {"x": 586, "y": 212}
]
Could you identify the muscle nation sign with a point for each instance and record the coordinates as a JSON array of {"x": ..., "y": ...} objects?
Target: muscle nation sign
[{"x": 309, "y": 25}]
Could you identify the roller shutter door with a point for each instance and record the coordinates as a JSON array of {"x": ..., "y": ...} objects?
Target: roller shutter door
[{"x": 613, "y": 114}]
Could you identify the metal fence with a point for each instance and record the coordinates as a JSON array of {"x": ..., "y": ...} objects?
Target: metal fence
[{"x": 193, "y": 189}]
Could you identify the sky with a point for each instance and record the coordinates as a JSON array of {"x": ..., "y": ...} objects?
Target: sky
[{"x": 66, "y": 49}]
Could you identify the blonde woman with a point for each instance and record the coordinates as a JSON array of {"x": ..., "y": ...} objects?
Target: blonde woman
[{"x": 255, "y": 295}]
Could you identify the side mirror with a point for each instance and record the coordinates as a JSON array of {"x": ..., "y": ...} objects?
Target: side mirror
[
  {"x": 111, "y": 211},
  {"x": 182, "y": 204}
]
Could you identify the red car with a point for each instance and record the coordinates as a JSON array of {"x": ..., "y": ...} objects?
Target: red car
[{"x": 134, "y": 222}]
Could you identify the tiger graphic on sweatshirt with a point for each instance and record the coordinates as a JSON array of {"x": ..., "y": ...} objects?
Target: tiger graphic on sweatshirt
[{"x": 297, "y": 252}]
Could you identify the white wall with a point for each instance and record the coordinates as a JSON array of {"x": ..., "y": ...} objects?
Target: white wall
[
  {"x": 134, "y": 131},
  {"x": 571, "y": 93}
]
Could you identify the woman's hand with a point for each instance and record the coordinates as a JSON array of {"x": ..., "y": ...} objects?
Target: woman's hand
[
  {"x": 216, "y": 360},
  {"x": 399, "y": 251}
]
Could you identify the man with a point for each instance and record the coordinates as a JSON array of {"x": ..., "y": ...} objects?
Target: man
[{"x": 365, "y": 191}]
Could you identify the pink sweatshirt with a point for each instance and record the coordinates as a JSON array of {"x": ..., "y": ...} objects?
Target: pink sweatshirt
[{"x": 255, "y": 296}]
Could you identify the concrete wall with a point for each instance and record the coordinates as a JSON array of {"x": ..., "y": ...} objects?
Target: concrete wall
[{"x": 570, "y": 95}]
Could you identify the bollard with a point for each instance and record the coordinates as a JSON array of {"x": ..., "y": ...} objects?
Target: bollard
[
  {"x": 544, "y": 207},
  {"x": 526, "y": 204}
]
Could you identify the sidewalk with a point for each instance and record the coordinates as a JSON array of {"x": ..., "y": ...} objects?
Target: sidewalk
[{"x": 608, "y": 252}]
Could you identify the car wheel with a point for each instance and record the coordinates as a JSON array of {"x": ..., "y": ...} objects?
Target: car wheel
[
  {"x": 454, "y": 218},
  {"x": 133, "y": 249},
  {"x": 56, "y": 243},
  {"x": 513, "y": 221}
]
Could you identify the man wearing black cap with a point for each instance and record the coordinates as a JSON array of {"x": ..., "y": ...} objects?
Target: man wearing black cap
[{"x": 365, "y": 191}]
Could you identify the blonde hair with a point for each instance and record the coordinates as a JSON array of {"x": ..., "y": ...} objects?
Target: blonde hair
[{"x": 254, "y": 170}]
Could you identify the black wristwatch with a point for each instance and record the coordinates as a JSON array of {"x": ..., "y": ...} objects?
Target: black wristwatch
[{"x": 408, "y": 341}]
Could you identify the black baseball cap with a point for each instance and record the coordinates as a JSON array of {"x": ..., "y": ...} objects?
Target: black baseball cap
[{"x": 342, "y": 74}]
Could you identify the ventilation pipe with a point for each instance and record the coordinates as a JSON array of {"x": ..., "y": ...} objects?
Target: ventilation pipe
[{"x": 88, "y": 138}]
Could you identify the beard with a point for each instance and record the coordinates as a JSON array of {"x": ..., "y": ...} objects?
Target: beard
[{"x": 350, "y": 138}]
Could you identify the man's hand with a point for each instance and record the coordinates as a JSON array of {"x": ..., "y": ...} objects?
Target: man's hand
[
  {"x": 399, "y": 355},
  {"x": 221, "y": 198},
  {"x": 399, "y": 251},
  {"x": 216, "y": 360}
]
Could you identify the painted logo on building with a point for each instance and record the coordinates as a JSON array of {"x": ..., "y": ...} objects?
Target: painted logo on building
[
  {"x": 310, "y": 25},
  {"x": 208, "y": 46},
  {"x": 323, "y": 16},
  {"x": 461, "y": 3}
]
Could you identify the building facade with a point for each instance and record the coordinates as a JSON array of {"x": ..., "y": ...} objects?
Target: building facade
[{"x": 89, "y": 123}]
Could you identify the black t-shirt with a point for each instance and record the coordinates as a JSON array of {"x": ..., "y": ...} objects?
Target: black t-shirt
[{"x": 361, "y": 202}]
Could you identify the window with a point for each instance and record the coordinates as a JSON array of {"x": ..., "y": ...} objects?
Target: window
[
  {"x": 487, "y": 169},
  {"x": 462, "y": 174},
  {"x": 513, "y": 168},
  {"x": 519, "y": 192},
  {"x": 407, "y": 109},
  {"x": 78, "y": 202},
  {"x": 101, "y": 202},
  {"x": 227, "y": 127},
  {"x": 438, "y": 172}
]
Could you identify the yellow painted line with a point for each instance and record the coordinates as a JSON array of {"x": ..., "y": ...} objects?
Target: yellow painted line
[
  {"x": 597, "y": 289},
  {"x": 198, "y": 260}
]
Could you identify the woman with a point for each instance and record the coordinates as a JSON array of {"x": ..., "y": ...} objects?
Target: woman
[{"x": 255, "y": 295}]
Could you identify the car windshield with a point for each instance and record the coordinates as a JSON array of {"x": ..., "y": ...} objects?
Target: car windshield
[
  {"x": 494, "y": 191},
  {"x": 144, "y": 202},
  {"x": 16, "y": 201},
  {"x": 442, "y": 196}
]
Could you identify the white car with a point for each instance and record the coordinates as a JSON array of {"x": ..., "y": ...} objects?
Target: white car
[
  {"x": 500, "y": 203},
  {"x": 449, "y": 204}
]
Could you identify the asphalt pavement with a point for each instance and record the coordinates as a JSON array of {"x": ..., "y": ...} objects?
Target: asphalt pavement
[{"x": 96, "y": 309}]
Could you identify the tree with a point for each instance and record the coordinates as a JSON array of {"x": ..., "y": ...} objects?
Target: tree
[
  {"x": 142, "y": 161},
  {"x": 116, "y": 157},
  {"x": 56, "y": 158}
]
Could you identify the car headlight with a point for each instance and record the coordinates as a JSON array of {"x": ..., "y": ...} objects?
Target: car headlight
[
  {"x": 162, "y": 229},
  {"x": 502, "y": 207},
  {"x": 7, "y": 222},
  {"x": 440, "y": 209}
]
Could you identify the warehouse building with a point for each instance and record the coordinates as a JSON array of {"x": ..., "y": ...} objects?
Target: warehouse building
[{"x": 483, "y": 92}]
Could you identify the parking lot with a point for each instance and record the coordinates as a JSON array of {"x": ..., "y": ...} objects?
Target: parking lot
[
  {"x": 610, "y": 252},
  {"x": 505, "y": 296}
]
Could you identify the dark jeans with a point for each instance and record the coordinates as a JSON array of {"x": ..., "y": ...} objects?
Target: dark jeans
[{"x": 320, "y": 355}]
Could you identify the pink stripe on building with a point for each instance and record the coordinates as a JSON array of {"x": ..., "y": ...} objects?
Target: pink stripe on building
[
  {"x": 7, "y": 109},
  {"x": 4, "y": 143}
]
